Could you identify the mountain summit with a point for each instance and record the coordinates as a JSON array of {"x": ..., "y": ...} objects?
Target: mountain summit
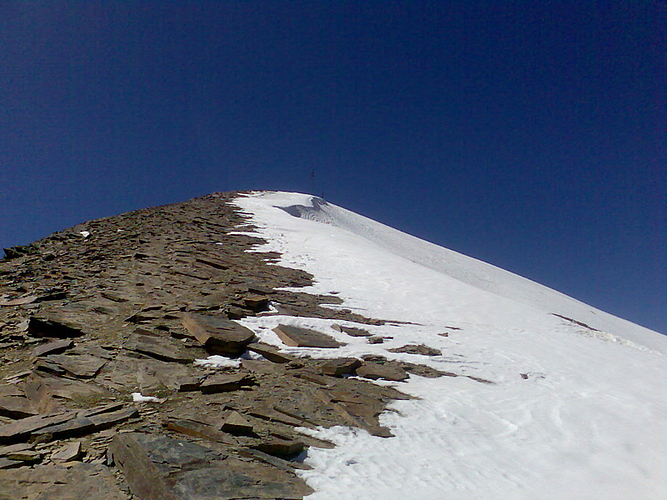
[{"x": 272, "y": 345}]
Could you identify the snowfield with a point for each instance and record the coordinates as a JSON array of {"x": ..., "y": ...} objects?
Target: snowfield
[{"x": 576, "y": 409}]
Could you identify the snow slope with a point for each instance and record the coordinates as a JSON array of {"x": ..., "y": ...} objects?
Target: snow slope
[{"x": 577, "y": 406}]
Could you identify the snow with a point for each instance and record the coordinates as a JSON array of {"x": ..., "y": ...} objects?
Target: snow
[
  {"x": 574, "y": 412},
  {"x": 137, "y": 397},
  {"x": 216, "y": 361}
]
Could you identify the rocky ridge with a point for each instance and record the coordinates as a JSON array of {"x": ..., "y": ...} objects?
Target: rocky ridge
[{"x": 100, "y": 392}]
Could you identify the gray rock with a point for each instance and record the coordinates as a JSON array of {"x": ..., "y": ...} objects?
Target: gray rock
[{"x": 141, "y": 474}]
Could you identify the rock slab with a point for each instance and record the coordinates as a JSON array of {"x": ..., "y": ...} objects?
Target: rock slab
[{"x": 294, "y": 336}]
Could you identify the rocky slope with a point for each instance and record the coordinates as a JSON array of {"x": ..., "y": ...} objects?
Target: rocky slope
[{"x": 103, "y": 393}]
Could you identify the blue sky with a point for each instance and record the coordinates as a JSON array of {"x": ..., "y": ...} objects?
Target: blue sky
[{"x": 526, "y": 134}]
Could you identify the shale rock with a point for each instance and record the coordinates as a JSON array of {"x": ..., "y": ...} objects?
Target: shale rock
[
  {"x": 85, "y": 323},
  {"x": 303, "y": 337}
]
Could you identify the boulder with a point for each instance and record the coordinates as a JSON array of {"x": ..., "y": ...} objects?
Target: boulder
[
  {"x": 218, "y": 335},
  {"x": 341, "y": 366}
]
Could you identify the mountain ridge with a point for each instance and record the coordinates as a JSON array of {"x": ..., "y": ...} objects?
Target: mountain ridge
[{"x": 235, "y": 336}]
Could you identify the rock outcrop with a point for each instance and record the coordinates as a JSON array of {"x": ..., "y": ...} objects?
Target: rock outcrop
[{"x": 100, "y": 396}]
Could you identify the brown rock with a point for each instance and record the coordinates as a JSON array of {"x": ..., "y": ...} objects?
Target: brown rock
[
  {"x": 340, "y": 367},
  {"x": 303, "y": 337},
  {"x": 236, "y": 424},
  {"x": 21, "y": 429},
  {"x": 375, "y": 371},
  {"x": 16, "y": 407},
  {"x": 420, "y": 349},
  {"x": 55, "y": 325},
  {"x": 25, "y": 456},
  {"x": 279, "y": 447},
  {"x": 160, "y": 348},
  {"x": 140, "y": 473},
  {"x": 256, "y": 303},
  {"x": 352, "y": 331},
  {"x": 55, "y": 347},
  {"x": 39, "y": 394},
  {"x": 225, "y": 383},
  {"x": 68, "y": 453},
  {"x": 198, "y": 430},
  {"x": 269, "y": 352},
  {"x": 218, "y": 335},
  {"x": 47, "y": 482},
  {"x": 82, "y": 365},
  {"x": 188, "y": 384}
]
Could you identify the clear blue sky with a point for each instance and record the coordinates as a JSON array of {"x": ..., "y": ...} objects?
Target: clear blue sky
[{"x": 529, "y": 134}]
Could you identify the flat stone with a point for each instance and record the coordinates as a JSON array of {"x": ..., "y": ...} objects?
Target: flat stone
[
  {"x": 169, "y": 454},
  {"x": 82, "y": 365},
  {"x": 65, "y": 388},
  {"x": 275, "y": 461},
  {"x": 82, "y": 482},
  {"x": 113, "y": 297},
  {"x": 236, "y": 424},
  {"x": 140, "y": 473},
  {"x": 225, "y": 383},
  {"x": 198, "y": 430},
  {"x": 55, "y": 426},
  {"x": 21, "y": 429},
  {"x": 13, "y": 448},
  {"x": 10, "y": 390},
  {"x": 218, "y": 335},
  {"x": 376, "y": 371},
  {"x": 144, "y": 375},
  {"x": 54, "y": 325},
  {"x": 269, "y": 352},
  {"x": 6, "y": 463},
  {"x": 256, "y": 303},
  {"x": 19, "y": 301},
  {"x": 303, "y": 337},
  {"x": 55, "y": 347},
  {"x": 40, "y": 395},
  {"x": 340, "y": 367},
  {"x": 214, "y": 262},
  {"x": 68, "y": 453},
  {"x": 420, "y": 349},
  {"x": 351, "y": 331},
  {"x": 16, "y": 407},
  {"x": 25, "y": 456},
  {"x": 160, "y": 348},
  {"x": 280, "y": 447},
  {"x": 188, "y": 384},
  {"x": 238, "y": 479}
]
